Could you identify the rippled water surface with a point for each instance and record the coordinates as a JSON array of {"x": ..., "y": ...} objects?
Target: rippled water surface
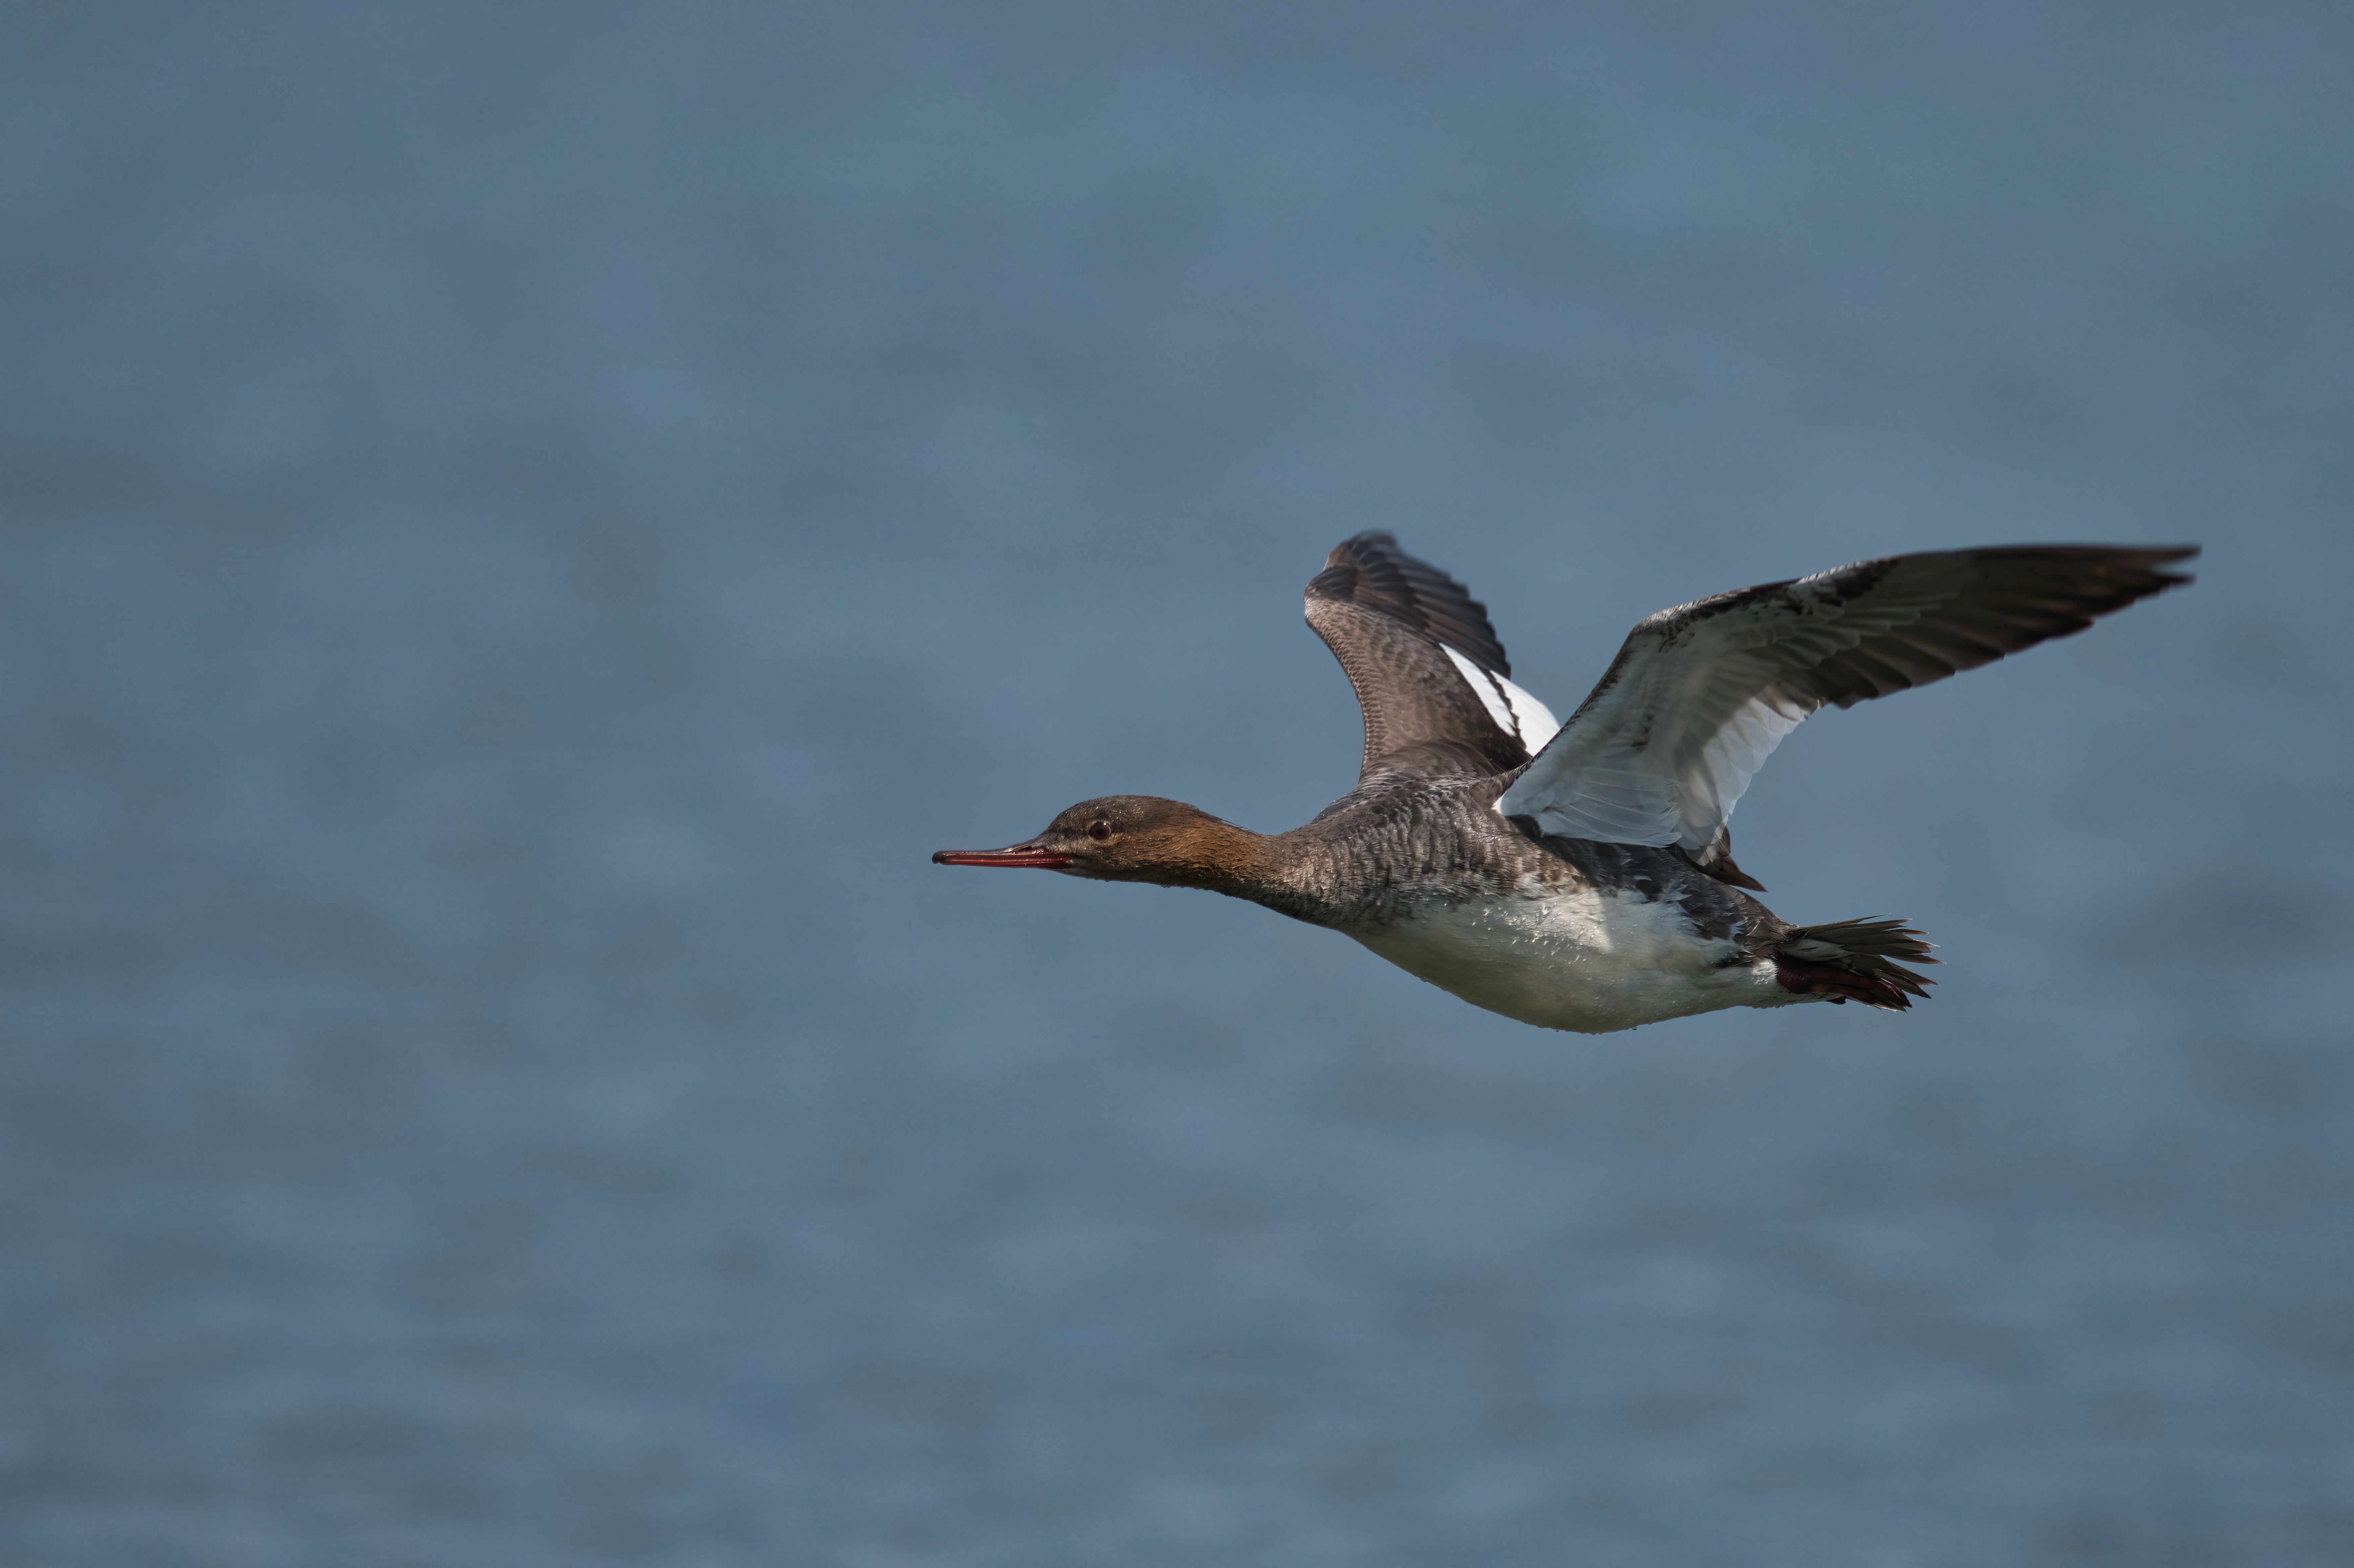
[{"x": 526, "y": 524}]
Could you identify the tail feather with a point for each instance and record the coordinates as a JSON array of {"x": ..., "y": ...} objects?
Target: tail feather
[{"x": 1854, "y": 959}]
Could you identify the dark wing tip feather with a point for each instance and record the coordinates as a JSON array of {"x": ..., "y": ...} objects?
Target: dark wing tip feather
[
  {"x": 2004, "y": 600},
  {"x": 2117, "y": 574},
  {"x": 1370, "y": 570}
]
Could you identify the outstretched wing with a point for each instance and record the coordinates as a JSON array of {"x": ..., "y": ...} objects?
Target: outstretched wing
[
  {"x": 1431, "y": 678},
  {"x": 1698, "y": 696}
]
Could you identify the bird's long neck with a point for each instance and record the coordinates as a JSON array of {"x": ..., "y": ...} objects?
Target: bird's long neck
[
  {"x": 1285, "y": 872},
  {"x": 1323, "y": 873}
]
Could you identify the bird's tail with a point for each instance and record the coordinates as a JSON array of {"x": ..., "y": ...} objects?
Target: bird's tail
[{"x": 1854, "y": 960}]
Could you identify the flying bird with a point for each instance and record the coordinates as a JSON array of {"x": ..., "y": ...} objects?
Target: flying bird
[{"x": 1580, "y": 875}]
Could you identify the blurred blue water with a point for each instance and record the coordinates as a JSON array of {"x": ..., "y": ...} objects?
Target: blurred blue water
[{"x": 526, "y": 525}]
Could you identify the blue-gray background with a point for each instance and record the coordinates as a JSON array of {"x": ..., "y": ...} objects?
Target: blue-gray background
[{"x": 526, "y": 523}]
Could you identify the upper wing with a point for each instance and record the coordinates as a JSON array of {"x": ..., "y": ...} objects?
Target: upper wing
[
  {"x": 1429, "y": 674},
  {"x": 1698, "y": 696}
]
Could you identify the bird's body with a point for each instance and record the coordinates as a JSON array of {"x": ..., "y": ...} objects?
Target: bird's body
[
  {"x": 1579, "y": 877},
  {"x": 1563, "y": 947},
  {"x": 1576, "y": 936}
]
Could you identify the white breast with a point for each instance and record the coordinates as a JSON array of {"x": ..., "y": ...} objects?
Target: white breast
[{"x": 1585, "y": 960}]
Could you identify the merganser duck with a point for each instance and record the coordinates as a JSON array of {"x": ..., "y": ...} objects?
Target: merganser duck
[{"x": 1580, "y": 875}]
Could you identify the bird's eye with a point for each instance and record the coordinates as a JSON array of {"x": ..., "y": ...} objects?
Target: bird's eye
[{"x": 1099, "y": 830}]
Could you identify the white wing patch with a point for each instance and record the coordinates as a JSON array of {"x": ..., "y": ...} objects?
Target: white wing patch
[
  {"x": 1537, "y": 724},
  {"x": 1713, "y": 786},
  {"x": 1499, "y": 707},
  {"x": 1663, "y": 756},
  {"x": 1613, "y": 804},
  {"x": 1515, "y": 712},
  {"x": 1651, "y": 787}
]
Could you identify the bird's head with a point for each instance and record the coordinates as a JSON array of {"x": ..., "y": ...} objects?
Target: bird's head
[{"x": 1128, "y": 838}]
